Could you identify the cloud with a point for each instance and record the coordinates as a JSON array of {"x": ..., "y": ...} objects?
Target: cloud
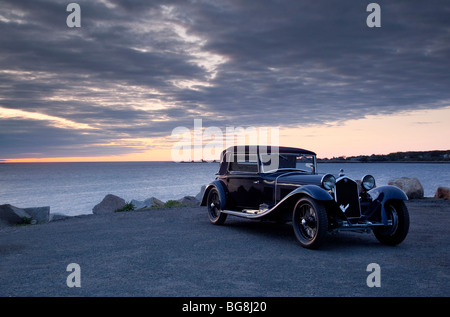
[
  {"x": 53, "y": 121},
  {"x": 138, "y": 69}
]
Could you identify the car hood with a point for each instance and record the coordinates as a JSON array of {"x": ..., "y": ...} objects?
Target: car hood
[{"x": 296, "y": 179}]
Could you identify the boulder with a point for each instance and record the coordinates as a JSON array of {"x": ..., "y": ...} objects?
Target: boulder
[
  {"x": 40, "y": 214},
  {"x": 137, "y": 204},
  {"x": 199, "y": 196},
  {"x": 410, "y": 185},
  {"x": 109, "y": 204},
  {"x": 58, "y": 216},
  {"x": 11, "y": 215},
  {"x": 148, "y": 203},
  {"x": 442, "y": 193},
  {"x": 189, "y": 201}
]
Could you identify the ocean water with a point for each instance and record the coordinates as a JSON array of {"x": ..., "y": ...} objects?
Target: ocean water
[{"x": 75, "y": 188}]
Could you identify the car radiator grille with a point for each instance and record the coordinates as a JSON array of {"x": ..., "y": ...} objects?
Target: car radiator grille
[{"x": 346, "y": 196}]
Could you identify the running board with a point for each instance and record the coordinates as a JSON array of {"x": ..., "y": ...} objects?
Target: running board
[{"x": 246, "y": 213}]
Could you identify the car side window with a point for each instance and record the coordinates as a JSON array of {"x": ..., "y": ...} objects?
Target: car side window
[{"x": 248, "y": 163}]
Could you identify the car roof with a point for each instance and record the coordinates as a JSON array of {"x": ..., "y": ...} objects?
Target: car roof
[{"x": 246, "y": 149}]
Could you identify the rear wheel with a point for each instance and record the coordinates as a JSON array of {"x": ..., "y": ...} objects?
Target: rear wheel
[
  {"x": 310, "y": 223},
  {"x": 214, "y": 211},
  {"x": 397, "y": 214}
]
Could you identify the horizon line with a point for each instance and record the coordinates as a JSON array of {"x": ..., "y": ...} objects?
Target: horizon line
[{"x": 67, "y": 159}]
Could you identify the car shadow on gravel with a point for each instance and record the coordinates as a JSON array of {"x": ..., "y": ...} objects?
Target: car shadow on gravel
[{"x": 282, "y": 233}]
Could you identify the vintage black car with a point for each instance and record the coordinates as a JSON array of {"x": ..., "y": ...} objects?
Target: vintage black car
[{"x": 283, "y": 184}]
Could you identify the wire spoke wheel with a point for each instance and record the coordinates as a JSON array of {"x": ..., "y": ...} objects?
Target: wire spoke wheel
[
  {"x": 310, "y": 223},
  {"x": 213, "y": 204}
]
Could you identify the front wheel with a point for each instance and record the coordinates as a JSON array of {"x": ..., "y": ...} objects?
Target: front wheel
[
  {"x": 397, "y": 214},
  {"x": 216, "y": 216},
  {"x": 310, "y": 223}
]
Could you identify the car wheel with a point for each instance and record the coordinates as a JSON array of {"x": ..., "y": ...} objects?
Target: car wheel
[
  {"x": 213, "y": 204},
  {"x": 397, "y": 213},
  {"x": 310, "y": 223}
]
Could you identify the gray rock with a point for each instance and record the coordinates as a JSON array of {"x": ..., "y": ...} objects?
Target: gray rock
[
  {"x": 442, "y": 193},
  {"x": 40, "y": 214},
  {"x": 154, "y": 202},
  {"x": 189, "y": 201},
  {"x": 137, "y": 204},
  {"x": 109, "y": 204},
  {"x": 11, "y": 215},
  {"x": 410, "y": 185},
  {"x": 148, "y": 203},
  {"x": 199, "y": 196},
  {"x": 57, "y": 216}
]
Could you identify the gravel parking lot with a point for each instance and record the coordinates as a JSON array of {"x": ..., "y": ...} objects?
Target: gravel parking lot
[{"x": 177, "y": 252}]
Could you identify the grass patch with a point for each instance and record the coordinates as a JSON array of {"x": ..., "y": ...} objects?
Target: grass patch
[
  {"x": 25, "y": 222},
  {"x": 172, "y": 204},
  {"x": 127, "y": 207}
]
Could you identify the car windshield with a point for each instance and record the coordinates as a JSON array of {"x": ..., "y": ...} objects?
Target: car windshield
[{"x": 280, "y": 161}]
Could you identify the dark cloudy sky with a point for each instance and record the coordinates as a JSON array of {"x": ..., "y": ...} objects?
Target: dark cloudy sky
[{"x": 135, "y": 70}]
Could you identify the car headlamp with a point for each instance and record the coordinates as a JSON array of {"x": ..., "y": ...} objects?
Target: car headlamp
[
  {"x": 328, "y": 181},
  {"x": 368, "y": 182}
]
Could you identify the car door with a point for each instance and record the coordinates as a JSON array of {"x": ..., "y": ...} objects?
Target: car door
[{"x": 244, "y": 184}]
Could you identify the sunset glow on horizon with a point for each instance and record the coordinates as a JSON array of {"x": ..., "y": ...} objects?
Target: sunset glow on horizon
[
  {"x": 405, "y": 132},
  {"x": 116, "y": 86}
]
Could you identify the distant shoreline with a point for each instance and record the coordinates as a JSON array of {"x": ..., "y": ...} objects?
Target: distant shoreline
[{"x": 437, "y": 156}]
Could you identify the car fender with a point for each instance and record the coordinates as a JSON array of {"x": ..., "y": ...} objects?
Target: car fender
[
  {"x": 389, "y": 192},
  {"x": 384, "y": 193},
  {"x": 220, "y": 188},
  {"x": 312, "y": 191}
]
